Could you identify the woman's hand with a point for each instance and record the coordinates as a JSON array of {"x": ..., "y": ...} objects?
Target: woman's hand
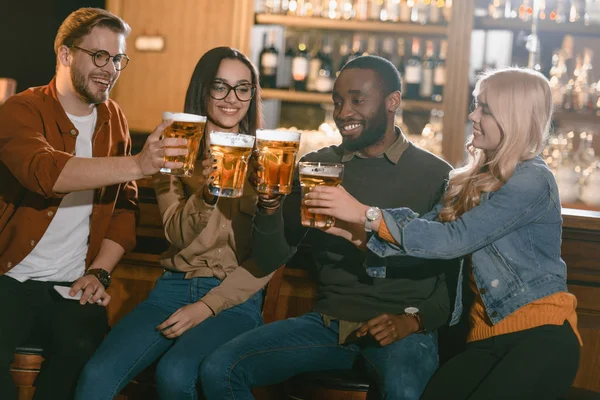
[
  {"x": 354, "y": 233},
  {"x": 336, "y": 202},
  {"x": 209, "y": 166},
  {"x": 184, "y": 319}
]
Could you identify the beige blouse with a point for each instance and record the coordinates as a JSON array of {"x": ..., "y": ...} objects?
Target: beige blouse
[{"x": 209, "y": 240}]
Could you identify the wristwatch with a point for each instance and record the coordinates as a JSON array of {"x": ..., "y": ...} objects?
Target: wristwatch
[
  {"x": 102, "y": 275},
  {"x": 372, "y": 214},
  {"x": 414, "y": 312}
]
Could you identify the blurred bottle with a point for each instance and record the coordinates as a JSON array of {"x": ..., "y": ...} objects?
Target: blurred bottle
[
  {"x": 284, "y": 72},
  {"x": 326, "y": 76},
  {"x": 426, "y": 89},
  {"x": 268, "y": 61},
  {"x": 439, "y": 73},
  {"x": 405, "y": 10},
  {"x": 300, "y": 64},
  {"x": 413, "y": 74}
]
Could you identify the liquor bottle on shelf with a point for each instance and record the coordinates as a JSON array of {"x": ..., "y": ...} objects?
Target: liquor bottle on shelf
[
  {"x": 268, "y": 61},
  {"x": 577, "y": 10},
  {"x": 375, "y": 7},
  {"x": 361, "y": 10},
  {"x": 413, "y": 72},
  {"x": 426, "y": 89},
  {"x": 314, "y": 66},
  {"x": 344, "y": 55},
  {"x": 447, "y": 11},
  {"x": 562, "y": 11},
  {"x": 357, "y": 47},
  {"x": 372, "y": 49},
  {"x": 419, "y": 13},
  {"x": 558, "y": 78},
  {"x": 405, "y": 10},
  {"x": 526, "y": 10},
  {"x": 272, "y": 6},
  {"x": 331, "y": 10},
  {"x": 326, "y": 75},
  {"x": 435, "y": 11},
  {"x": 300, "y": 65},
  {"x": 387, "y": 48},
  {"x": 347, "y": 9},
  {"x": 284, "y": 72},
  {"x": 399, "y": 61},
  {"x": 391, "y": 11},
  {"x": 439, "y": 73}
]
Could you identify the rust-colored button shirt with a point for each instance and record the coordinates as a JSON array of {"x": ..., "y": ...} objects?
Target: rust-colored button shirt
[{"x": 36, "y": 141}]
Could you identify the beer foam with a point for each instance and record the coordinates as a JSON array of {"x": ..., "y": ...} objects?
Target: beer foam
[
  {"x": 283, "y": 136},
  {"x": 321, "y": 169},
  {"x": 231, "y": 139},
  {"x": 183, "y": 117}
]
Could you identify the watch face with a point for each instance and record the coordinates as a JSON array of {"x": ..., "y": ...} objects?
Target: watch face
[
  {"x": 411, "y": 310},
  {"x": 372, "y": 214}
]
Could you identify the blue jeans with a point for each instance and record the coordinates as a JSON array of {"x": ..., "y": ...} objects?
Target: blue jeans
[
  {"x": 282, "y": 349},
  {"x": 134, "y": 343}
]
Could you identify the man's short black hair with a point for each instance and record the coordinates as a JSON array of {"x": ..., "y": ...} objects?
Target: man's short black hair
[{"x": 388, "y": 73}]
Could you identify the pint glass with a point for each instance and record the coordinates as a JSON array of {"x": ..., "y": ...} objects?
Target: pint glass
[
  {"x": 231, "y": 150},
  {"x": 186, "y": 126},
  {"x": 277, "y": 155},
  {"x": 311, "y": 175}
]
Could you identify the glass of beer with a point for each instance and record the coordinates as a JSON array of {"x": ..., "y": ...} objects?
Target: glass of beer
[
  {"x": 232, "y": 151},
  {"x": 277, "y": 155},
  {"x": 186, "y": 126},
  {"x": 313, "y": 174}
]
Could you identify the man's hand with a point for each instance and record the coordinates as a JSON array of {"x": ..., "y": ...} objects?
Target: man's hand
[
  {"x": 183, "y": 319},
  {"x": 92, "y": 291},
  {"x": 389, "y": 328},
  {"x": 254, "y": 169},
  {"x": 151, "y": 158}
]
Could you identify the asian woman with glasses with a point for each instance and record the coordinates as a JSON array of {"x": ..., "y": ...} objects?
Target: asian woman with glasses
[{"x": 204, "y": 298}]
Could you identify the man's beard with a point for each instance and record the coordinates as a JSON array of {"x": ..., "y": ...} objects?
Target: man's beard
[
  {"x": 373, "y": 132},
  {"x": 80, "y": 84}
]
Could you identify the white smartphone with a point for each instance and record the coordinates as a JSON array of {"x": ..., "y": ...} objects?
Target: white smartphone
[{"x": 64, "y": 292}]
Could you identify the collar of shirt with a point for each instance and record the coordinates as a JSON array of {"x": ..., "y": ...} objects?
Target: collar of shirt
[
  {"x": 64, "y": 123},
  {"x": 393, "y": 153}
]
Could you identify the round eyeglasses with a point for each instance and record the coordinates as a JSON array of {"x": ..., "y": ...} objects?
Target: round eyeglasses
[
  {"x": 102, "y": 57},
  {"x": 243, "y": 91}
]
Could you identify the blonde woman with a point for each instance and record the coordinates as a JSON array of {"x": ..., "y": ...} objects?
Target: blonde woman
[{"x": 502, "y": 213}]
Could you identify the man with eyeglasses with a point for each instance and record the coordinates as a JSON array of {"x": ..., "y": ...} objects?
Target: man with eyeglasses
[{"x": 68, "y": 201}]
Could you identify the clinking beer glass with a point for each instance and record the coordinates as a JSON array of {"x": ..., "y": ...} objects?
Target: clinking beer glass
[
  {"x": 313, "y": 174},
  {"x": 232, "y": 151},
  {"x": 277, "y": 155},
  {"x": 186, "y": 126}
]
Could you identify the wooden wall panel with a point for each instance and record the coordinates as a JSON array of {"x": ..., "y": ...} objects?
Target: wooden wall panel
[
  {"x": 156, "y": 82},
  {"x": 456, "y": 91}
]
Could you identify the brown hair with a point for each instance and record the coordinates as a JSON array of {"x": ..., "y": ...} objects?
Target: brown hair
[{"x": 81, "y": 22}]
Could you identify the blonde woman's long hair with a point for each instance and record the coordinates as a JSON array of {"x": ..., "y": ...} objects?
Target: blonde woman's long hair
[{"x": 520, "y": 101}]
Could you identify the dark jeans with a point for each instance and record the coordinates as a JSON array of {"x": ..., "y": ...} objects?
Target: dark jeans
[
  {"x": 70, "y": 334},
  {"x": 134, "y": 343},
  {"x": 539, "y": 363},
  {"x": 277, "y": 351}
]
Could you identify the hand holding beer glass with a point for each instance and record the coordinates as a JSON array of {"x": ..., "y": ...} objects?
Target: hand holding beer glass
[
  {"x": 314, "y": 174},
  {"x": 232, "y": 151},
  {"x": 186, "y": 126},
  {"x": 276, "y": 152}
]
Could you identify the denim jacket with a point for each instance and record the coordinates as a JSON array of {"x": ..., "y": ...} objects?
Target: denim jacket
[{"x": 514, "y": 236}]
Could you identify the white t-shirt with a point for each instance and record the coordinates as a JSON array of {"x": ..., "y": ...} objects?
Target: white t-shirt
[{"x": 60, "y": 254}]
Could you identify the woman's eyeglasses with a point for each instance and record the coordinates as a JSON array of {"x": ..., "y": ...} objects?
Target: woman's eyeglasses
[{"x": 243, "y": 91}]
